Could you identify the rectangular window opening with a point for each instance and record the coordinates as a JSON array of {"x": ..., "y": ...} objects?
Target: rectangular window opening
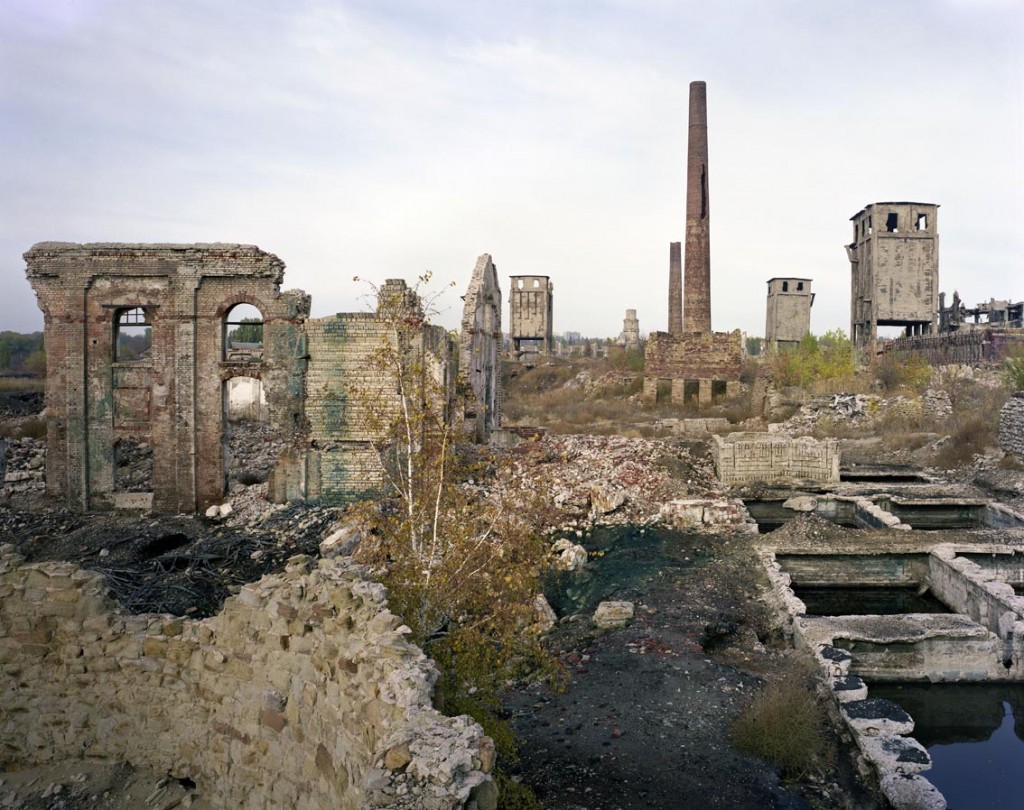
[
  {"x": 892, "y": 223},
  {"x": 922, "y": 222}
]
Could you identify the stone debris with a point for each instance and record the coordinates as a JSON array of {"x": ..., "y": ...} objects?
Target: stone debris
[
  {"x": 613, "y": 614},
  {"x": 644, "y": 472},
  {"x": 546, "y": 616},
  {"x": 24, "y": 468},
  {"x": 569, "y": 556},
  {"x": 911, "y": 791}
]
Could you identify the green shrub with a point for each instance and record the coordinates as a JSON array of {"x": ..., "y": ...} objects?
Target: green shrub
[
  {"x": 894, "y": 371},
  {"x": 829, "y": 359},
  {"x": 1013, "y": 370},
  {"x": 784, "y": 725}
]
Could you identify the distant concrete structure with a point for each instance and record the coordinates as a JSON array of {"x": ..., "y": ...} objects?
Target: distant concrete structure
[
  {"x": 480, "y": 351},
  {"x": 894, "y": 269},
  {"x": 530, "y": 315},
  {"x": 630, "y": 337},
  {"x": 693, "y": 363},
  {"x": 789, "y": 311},
  {"x": 956, "y": 317},
  {"x": 675, "y": 288}
]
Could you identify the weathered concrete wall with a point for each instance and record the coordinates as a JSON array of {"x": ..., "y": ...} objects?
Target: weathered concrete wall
[
  {"x": 531, "y": 312},
  {"x": 789, "y": 310},
  {"x": 172, "y": 397},
  {"x": 480, "y": 351},
  {"x": 745, "y": 457},
  {"x": 894, "y": 266},
  {"x": 294, "y": 696},
  {"x": 1011, "y": 425},
  {"x": 970, "y": 589},
  {"x": 855, "y": 569}
]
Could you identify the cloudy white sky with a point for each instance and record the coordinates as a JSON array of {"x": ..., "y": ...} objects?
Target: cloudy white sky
[{"x": 384, "y": 138}]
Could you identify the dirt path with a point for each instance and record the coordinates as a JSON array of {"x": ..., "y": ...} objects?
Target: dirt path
[{"x": 645, "y": 719}]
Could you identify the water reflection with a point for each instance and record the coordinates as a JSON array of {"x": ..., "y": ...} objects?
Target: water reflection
[{"x": 975, "y": 735}]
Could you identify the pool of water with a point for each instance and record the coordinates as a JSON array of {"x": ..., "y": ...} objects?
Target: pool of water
[
  {"x": 865, "y": 601},
  {"x": 624, "y": 561},
  {"x": 975, "y": 735}
]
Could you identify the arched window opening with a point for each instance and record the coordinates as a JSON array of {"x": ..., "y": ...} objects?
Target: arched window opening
[
  {"x": 133, "y": 335},
  {"x": 243, "y": 333}
]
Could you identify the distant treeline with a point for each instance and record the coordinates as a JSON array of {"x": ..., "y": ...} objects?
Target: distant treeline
[{"x": 22, "y": 354}]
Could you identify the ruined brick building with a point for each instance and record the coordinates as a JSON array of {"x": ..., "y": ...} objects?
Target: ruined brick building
[
  {"x": 143, "y": 342},
  {"x": 690, "y": 362}
]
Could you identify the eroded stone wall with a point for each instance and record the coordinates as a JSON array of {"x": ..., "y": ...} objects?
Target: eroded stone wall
[
  {"x": 301, "y": 693},
  {"x": 1011, "y": 425}
]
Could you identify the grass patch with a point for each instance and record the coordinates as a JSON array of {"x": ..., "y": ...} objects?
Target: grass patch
[
  {"x": 785, "y": 725},
  {"x": 33, "y": 427},
  {"x": 15, "y": 385}
]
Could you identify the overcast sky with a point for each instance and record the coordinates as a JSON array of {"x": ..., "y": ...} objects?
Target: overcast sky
[{"x": 385, "y": 138}]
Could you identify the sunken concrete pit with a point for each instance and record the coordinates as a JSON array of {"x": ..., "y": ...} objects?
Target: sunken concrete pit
[
  {"x": 303, "y": 692},
  {"x": 980, "y": 639}
]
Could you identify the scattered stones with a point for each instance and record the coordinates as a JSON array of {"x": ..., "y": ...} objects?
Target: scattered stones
[
  {"x": 613, "y": 614},
  {"x": 569, "y": 556}
]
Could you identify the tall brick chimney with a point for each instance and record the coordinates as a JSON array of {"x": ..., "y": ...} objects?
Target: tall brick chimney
[
  {"x": 697, "y": 278},
  {"x": 675, "y": 288}
]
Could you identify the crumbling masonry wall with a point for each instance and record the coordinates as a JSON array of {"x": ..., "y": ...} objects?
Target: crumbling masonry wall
[
  {"x": 173, "y": 397},
  {"x": 301, "y": 693},
  {"x": 746, "y": 457},
  {"x": 480, "y": 351},
  {"x": 1011, "y": 425}
]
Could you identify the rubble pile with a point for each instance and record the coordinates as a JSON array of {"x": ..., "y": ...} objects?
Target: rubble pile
[
  {"x": 23, "y": 467},
  {"x": 253, "y": 448},
  {"x": 609, "y": 480}
]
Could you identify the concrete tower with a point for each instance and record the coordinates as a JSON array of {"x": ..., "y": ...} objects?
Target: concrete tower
[{"x": 697, "y": 279}]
